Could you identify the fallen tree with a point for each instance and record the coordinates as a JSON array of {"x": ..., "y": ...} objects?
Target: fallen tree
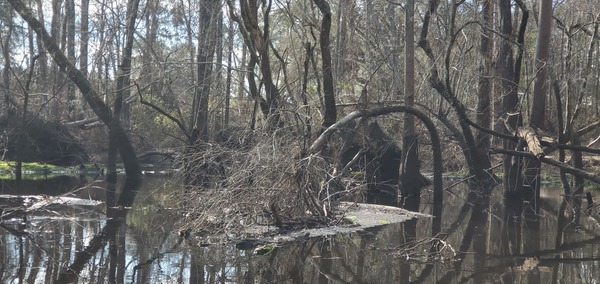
[{"x": 275, "y": 181}]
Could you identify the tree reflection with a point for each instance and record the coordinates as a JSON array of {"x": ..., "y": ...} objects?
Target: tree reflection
[
  {"x": 481, "y": 240},
  {"x": 116, "y": 219}
]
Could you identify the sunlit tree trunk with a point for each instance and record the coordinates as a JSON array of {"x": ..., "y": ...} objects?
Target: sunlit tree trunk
[
  {"x": 84, "y": 36},
  {"x": 148, "y": 70},
  {"x": 191, "y": 73},
  {"x": 206, "y": 50}
]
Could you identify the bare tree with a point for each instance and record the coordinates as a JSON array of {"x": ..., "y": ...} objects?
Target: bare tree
[
  {"x": 411, "y": 180},
  {"x": 330, "y": 114},
  {"x": 478, "y": 162},
  {"x": 207, "y": 44},
  {"x": 6, "y": 48},
  {"x": 118, "y": 134},
  {"x": 509, "y": 70},
  {"x": 257, "y": 38},
  {"x": 538, "y": 104}
]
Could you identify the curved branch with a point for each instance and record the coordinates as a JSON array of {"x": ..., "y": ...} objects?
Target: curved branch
[{"x": 322, "y": 140}]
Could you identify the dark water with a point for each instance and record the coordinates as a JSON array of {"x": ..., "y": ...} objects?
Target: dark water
[{"x": 477, "y": 245}]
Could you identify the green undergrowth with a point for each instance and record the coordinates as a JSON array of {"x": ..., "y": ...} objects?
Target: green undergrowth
[{"x": 36, "y": 171}]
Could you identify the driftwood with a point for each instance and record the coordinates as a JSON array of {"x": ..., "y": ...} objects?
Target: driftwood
[
  {"x": 81, "y": 123},
  {"x": 533, "y": 143},
  {"x": 533, "y": 138}
]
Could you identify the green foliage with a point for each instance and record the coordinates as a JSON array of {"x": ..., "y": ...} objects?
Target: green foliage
[
  {"x": 352, "y": 219},
  {"x": 40, "y": 171},
  {"x": 266, "y": 249}
]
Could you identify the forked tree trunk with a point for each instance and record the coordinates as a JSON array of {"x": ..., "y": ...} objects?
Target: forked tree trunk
[
  {"x": 509, "y": 86},
  {"x": 257, "y": 39},
  {"x": 479, "y": 163}
]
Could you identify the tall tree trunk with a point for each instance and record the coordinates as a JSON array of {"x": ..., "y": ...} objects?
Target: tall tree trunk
[
  {"x": 330, "y": 115},
  {"x": 83, "y": 49},
  {"x": 70, "y": 48},
  {"x": 410, "y": 168},
  {"x": 6, "y": 48},
  {"x": 485, "y": 84},
  {"x": 124, "y": 75},
  {"x": 123, "y": 88},
  {"x": 206, "y": 50},
  {"x": 43, "y": 60},
  {"x": 228, "y": 79},
  {"x": 509, "y": 111},
  {"x": 56, "y": 76},
  {"x": 84, "y": 37},
  {"x": 509, "y": 68},
  {"x": 538, "y": 104},
  {"x": 531, "y": 181}
]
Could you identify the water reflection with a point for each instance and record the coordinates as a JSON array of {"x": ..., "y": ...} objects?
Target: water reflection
[{"x": 482, "y": 240}]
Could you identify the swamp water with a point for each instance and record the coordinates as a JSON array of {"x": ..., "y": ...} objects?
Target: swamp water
[{"x": 477, "y": 245}]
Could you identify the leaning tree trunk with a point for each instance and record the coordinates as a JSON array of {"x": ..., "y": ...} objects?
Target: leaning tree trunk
[
  {"x": 90, "y": 94},
  {"x": 123, "y": 90}
]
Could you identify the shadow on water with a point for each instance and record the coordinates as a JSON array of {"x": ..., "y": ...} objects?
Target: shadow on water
[{"x": 482, "y": 240}]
